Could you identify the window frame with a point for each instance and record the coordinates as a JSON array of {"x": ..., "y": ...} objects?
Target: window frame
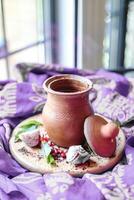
[{"x": 8, "y": 53}]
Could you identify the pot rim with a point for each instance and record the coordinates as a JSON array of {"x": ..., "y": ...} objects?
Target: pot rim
[{"x": 47, "y": 82}]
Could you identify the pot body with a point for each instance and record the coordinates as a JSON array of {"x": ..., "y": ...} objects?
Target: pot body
[{"x": 66, "y": 108}]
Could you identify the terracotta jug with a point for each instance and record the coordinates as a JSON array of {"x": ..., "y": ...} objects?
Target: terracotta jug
[{"x": 66, "y": 108}]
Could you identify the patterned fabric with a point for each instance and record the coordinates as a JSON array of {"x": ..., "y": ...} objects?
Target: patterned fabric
[
  {"x": 8, "y": 100},
  {"x": 112, "y": 96}
]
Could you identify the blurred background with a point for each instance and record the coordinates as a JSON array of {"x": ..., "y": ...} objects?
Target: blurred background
[{"x": 87, "y": 34}]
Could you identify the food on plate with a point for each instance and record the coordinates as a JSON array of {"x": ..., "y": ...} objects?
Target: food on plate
[
  {"x": 29, "y": 133},
  {"x": 31, "y": 137},
  {"x": 77, "y": 154}
]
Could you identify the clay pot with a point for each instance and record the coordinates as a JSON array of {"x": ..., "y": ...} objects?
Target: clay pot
[{"x": 66, "y": 108}]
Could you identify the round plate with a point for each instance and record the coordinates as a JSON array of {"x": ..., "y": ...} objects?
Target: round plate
[{"x": 30, "y": 159}]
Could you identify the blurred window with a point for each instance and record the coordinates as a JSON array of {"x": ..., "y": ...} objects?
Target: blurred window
[
  {"x": 21, "y": 34},
  {"x": 85, "y": 34}
]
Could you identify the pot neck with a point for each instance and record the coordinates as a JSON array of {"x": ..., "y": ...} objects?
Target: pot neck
[{"x": 59, "y": 99}]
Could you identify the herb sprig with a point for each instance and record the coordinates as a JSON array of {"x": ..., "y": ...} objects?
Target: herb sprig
[
  {"x": 46, "y": 153},
  {"x": 27, "y": 126}
]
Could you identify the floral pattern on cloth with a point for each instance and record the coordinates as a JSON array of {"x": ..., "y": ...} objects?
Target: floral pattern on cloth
[
  {"x": 118, "y": 184},
  {"x": 8, "y": 100},
  {"x": 114, "y": 106},
  {"x": 111, "y": 96},
  {"x": 14, "y": 95}
]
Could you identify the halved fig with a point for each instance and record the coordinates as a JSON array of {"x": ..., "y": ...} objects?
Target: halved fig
[
  {"x": 31, "y": 138},
  {"x": 101, "y": 135}
]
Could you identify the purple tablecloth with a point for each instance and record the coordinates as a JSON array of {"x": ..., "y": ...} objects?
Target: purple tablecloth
[{"x": 112, "y": 96}]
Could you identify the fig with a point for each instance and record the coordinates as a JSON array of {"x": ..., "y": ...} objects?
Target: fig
[
  {"x": 77, "y": 154},
  {"x": 101, "y": 135},
  {"x": 31, "y": 138}
]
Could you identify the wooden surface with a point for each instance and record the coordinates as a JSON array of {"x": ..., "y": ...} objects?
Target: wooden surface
[{"x": 29, "y": 157}]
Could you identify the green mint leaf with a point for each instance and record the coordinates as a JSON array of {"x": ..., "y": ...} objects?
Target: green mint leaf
[
  {"x": 28, "y": 124},
  {"x": 47, "y": 149},
  {"x": 50, "y": 160},
  {"x": 22, "y": 130},
  {"x": 17, "y": 136},
  {"x": 31, "y": 128},
  {"x": 46, "y": 152}
]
